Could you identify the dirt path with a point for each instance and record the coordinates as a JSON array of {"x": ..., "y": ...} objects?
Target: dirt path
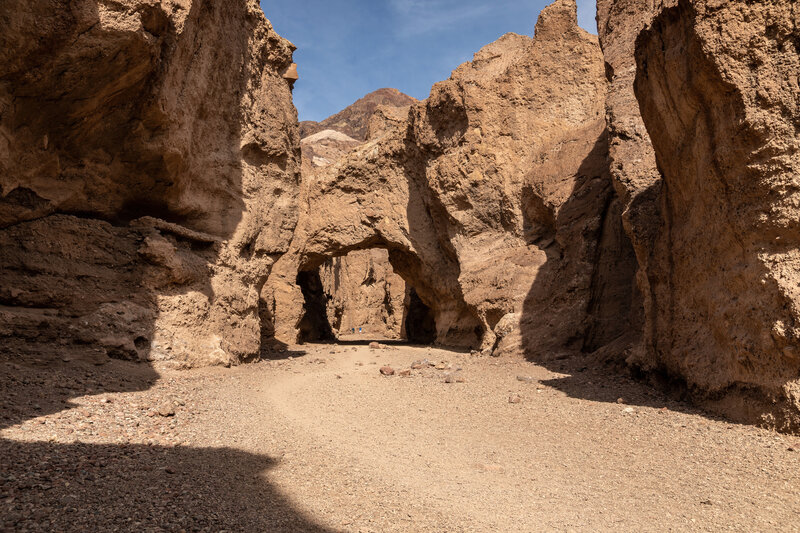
[{"x": 325, "y": 442}]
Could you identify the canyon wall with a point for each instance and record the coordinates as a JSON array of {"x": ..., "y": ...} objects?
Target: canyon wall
[
  {"x": 360, "y": 289},
  {"x": 702, "y": 122},
  {"x": 366, "y": 297},
  {"x": 493, "y": 200},
  {"x": 632, "y": 197},
  {"x": 718, "y": 91},
  {"x": 149, "y": 173}
]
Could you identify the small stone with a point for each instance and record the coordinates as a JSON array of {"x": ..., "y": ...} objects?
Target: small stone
[
  {"x": 525, "y": 379},
  {"x": 404, "y": 373},
  {"x": 105, "y": 400},
  {"x": 621, "y": 400},
  {"x": 454, "y": 377},
  {"x": 387, "y": 371},
  {"x": 629, "y": 410},
  {"x": 375, "y": 345},
  {"x": 515, "y": 398},
  {"x": 166, "y": 409}
]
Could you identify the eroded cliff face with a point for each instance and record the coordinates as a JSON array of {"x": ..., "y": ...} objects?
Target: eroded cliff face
[
  {"x": 718, "y": 91},
  {"x": 149, "y": 171},
  {"x": 492, "y": 199}
]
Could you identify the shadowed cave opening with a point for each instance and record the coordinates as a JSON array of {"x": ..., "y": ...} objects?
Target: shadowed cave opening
[
  {"x": 419, "y": 324},
  {"x": 359, "y": 298},
  {"x": 315, "y": 325}
]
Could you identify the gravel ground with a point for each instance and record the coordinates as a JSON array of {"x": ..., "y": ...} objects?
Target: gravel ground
[{"x": 325, "y": 441}]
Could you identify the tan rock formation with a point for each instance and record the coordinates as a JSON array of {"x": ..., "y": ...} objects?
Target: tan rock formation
[
  {"x": 385, "y": 119},
  {"x": 149, "y": 165},
  {"x": 492, "y": 199},
  {"x": 636, "y": 177},
  {"x": 718, "y": 91},
  {"x": 364, "y": 295}
]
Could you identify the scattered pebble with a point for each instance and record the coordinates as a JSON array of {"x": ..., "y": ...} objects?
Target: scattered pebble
[
  {"x": 387, "y": 371},
  {"x": 454, "y": 377},
  {"x": 166, "y": 409}
]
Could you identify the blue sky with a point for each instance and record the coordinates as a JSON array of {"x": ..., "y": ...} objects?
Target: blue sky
[{"x": 348, "y": 48}]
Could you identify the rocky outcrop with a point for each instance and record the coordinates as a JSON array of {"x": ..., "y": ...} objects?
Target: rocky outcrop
[
  {"x": 149, "y": 171},
  {"x": 492, "y": 199},
  {"x": 354, "y": 120},
  {"x": 717, "y": 87},
  {"x": 364, "y": 295}
]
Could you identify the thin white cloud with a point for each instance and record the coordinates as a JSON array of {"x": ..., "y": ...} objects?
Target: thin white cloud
[{"x": 418, "y": 17}]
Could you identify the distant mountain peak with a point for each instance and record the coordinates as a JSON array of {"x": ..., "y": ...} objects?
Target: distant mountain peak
[{"x": 354, "y": 119}]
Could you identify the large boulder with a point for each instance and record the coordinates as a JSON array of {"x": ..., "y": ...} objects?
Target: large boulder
[{"x": 149, "y": 172}]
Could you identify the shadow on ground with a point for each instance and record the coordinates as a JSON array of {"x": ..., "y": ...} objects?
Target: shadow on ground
[
  {"x": 88, "y": 487},
  {"x": 49, "y": 486}
]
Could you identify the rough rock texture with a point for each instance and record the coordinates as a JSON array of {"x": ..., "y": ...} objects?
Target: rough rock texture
[
  {"x": 385, "y": 119},
  {"x": 718, "y": 90},
  {"x": 354, "y": 120},
  {"x": 364, "y": 294},
  {"x": 149, "y": 165},
  {"x": 636, "y": 177},
  {"x": 493, "y": 200}
]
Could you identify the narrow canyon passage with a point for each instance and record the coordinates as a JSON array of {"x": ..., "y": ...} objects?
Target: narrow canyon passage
[
  {"x": 322, "y": 441},
  {"x": 358, "y": 298}
]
